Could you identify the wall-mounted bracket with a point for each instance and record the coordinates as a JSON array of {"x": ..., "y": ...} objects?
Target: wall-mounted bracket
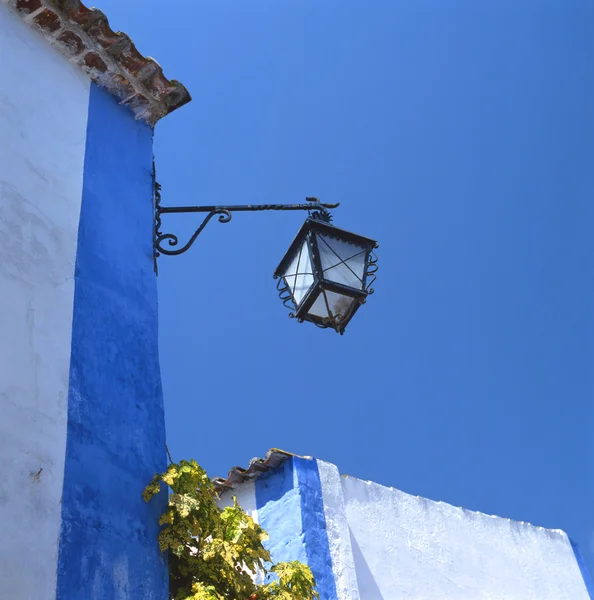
[{"x": 167, "y": 243}]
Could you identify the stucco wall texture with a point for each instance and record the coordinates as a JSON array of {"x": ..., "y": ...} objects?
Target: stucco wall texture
[
  {"x": 43, "y": 123},
  {"x": 81, "y": 408},
  {"x": 385, "y": 544},
  {"x": 116, "y": 426}
]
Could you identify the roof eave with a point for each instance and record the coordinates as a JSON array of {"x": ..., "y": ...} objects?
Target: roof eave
[{"x": 109, "y": 58}]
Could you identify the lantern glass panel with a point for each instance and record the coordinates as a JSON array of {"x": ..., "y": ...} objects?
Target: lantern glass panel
[
  {"x": 342, "y": 262},
  {"x": 338, "y": 307},
  {"x": 299, "y": 274}
]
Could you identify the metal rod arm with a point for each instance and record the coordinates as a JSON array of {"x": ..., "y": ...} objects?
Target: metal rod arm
[
  {"x": 172, "y": 248},
  {"x": 243, "y": 208}
]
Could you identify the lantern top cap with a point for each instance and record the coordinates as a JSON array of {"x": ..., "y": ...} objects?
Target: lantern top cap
[{"x": 313, "y": 224}]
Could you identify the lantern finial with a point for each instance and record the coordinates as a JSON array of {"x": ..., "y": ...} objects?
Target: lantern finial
[{"x": 322, "y": 214}]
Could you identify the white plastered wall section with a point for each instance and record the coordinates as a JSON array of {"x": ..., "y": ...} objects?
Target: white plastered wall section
[
  {"x": 339, "y": 539},
  {"x": 246, "y": 498},
  {"x": 409, "y": 547},
  {"x": 388, "y": 545},
  {"x": 43, "y": 120}
]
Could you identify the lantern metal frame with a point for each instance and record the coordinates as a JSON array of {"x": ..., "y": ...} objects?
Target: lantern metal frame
[{"x": 321, "y": 285}]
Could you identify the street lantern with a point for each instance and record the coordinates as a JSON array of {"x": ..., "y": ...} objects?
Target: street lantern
[{"x": 326, "y": 274}]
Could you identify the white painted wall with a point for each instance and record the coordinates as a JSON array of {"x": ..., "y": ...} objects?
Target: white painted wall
[
  {"x": 43, "y": 117},
  {"x": 388, "y": 545},
  {"x": 406, "y": 547},
  {"x": 246, "y": 497},
  {"x": 339, "y": 540}
]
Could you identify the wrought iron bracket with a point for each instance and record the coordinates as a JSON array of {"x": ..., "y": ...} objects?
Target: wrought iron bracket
[{"x": 167, "y": 243}]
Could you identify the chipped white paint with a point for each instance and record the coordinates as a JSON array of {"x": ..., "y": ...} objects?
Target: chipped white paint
[
  {"x": 409, "y": 547},
  {"x": 43, "y": 117}
]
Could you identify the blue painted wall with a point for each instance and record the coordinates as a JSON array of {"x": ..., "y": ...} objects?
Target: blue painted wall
[
  {"x": 279, "y": 513},
  {"x": 314, "y": 527},
  {"x": 291, "y": 509},
  {"x": 116, "y": 431}
]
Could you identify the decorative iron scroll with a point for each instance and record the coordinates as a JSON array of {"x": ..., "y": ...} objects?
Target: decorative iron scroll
[{"x": 316, "y": 209}]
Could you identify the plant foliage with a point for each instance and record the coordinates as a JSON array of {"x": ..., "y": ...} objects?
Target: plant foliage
[{"x": 215, "y": 553}]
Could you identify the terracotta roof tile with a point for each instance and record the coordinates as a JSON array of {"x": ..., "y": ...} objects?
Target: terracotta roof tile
[
  {"x": 110, "y": 58},
  {"x": 257, "y": 467}
]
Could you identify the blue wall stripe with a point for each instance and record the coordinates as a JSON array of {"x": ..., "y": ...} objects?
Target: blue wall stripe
[
  {"x": 291, "y": 509},
  {"x": 583, "y": 569},
  {"x": 279, "y": 513},
  {"x": 314, "y": 527},
  {"x": 116, "y": 432}
]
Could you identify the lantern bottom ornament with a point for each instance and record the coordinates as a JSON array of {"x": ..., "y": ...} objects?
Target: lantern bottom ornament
[{"x": 326, "y": 274}]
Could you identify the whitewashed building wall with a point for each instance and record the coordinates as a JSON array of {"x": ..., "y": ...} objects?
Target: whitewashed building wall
[{"x": 365, "y": 541}]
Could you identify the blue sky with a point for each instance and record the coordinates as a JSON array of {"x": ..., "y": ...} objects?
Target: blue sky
[{"x": 460, "y": 134}]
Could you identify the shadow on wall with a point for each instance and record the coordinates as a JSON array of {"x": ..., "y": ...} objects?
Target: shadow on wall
[
  {"x": 583, "y": 568},
  {"x": 367, "y": 586}
]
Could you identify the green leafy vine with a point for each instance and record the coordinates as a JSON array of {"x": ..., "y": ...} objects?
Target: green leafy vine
[{"x": 215, "y": 553}]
